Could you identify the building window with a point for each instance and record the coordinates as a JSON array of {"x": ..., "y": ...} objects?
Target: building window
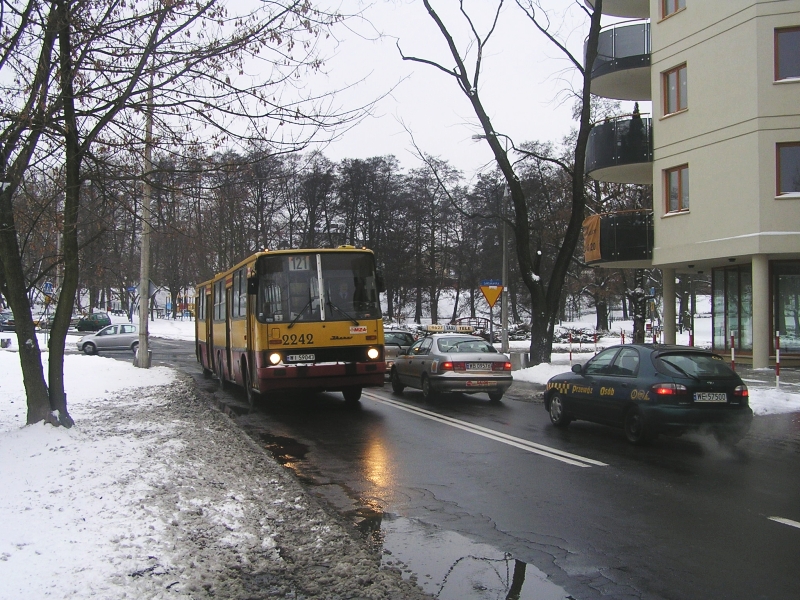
[
  {"x": 787, "y": 53},
  {"x": 675, "y": 90},
  {"x": 669, "y": 7},
  {"x": 788, "y": 168},
  {"x": 677, "y": 187}
]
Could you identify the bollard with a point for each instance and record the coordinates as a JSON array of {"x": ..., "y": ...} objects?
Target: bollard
[
  {"x": 623, "y": 337},
  {"x": 733, "y": 353},
  {"x": 778, "y": 359},
  {"x": 570, "y": 348}
]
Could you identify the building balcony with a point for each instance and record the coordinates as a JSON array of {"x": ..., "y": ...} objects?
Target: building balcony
[
  {"x": 622, "y": 68},
  {"x": 630, "y": 9},
  {"x": 621, "y": 150},
  {"x": 621, "y": 239}
]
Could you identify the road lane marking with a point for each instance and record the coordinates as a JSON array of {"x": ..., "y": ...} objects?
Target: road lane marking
[
  {"x": 788, "y": 522},
  {"x": 547, "y": 451}
]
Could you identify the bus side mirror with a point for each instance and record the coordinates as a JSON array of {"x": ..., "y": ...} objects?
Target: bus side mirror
[{"x": 379, "y": 281}]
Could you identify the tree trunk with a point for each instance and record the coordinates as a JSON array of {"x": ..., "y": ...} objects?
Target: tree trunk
[{"x": 58, "y": 396}]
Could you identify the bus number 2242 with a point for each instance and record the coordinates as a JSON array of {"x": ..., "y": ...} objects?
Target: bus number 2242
[{"x": 306, "y": 338}]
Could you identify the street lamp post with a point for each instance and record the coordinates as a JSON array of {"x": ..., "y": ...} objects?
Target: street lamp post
[{"x": 504, "y": 300}]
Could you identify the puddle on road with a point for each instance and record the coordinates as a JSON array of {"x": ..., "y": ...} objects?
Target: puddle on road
[
  {"x": 283, "y": 449},
  {"x": 449, "y": 566}
]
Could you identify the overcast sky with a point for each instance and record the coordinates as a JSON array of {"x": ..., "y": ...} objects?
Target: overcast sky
[{"x": 524, "y": 80}]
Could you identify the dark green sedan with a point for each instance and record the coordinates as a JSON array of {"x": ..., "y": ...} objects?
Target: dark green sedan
[{"x": 649, "y": 389}]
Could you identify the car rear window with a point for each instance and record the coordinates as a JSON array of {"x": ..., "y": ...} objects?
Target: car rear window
[
  {"x": 403, "y": 339},
  {"x": 693, "y": 364},
  {"x": 464, "y": 345}
]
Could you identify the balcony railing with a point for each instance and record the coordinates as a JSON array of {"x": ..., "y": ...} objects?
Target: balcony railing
[
  {"x": 624, "y": 236},
  {"x": 616, "y": 146},
  {"x": 621, "y": 45},
  {"x": 622, "y": 67}
]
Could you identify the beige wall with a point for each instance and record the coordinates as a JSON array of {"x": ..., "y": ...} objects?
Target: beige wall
[{"x": 736, "y": 114}]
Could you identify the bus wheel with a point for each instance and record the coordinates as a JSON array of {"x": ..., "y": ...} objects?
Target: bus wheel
[
  {"x": 221, "y": 374},
  {"x": 207, "y": 373},
  {"x": 252, "y": 395},
  {"x": 351, "y": 395}
]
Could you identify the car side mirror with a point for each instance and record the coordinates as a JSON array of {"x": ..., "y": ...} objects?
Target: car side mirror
[{"x": 578, "y": 369}]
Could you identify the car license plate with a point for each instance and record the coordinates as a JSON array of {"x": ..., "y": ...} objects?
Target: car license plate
[
  {"x": 481, "y": 383},
  {"x": 479, "y": 366},
  {"x": 710, "y": 397},
  {"x": 300, "y": 357}
]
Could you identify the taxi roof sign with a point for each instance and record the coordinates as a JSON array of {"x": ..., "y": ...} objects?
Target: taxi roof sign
[
  {"x": 437, "y": 328},
  {"x": 491, "y": 293}
]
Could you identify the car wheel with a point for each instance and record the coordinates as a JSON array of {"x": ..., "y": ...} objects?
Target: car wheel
[
  {"x": 352, "y": 395},
  {"x": 135, "y": 348},
  {"x": 89, "y": 348},
  {"x": 397, "y": 386},
  {"x": 495, "y": 396},
  {"x": 428, "y": 393},
  {"x": 636, "y": 429},
  {"x": 556, "y": 410}
]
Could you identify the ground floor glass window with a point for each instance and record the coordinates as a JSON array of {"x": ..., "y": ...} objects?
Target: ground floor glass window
[
  {"x": 786, "y": 303},
  {"x": 732, "y": 308}
]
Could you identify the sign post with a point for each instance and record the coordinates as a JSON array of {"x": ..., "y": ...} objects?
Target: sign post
[{"x": 491, "y": 288}]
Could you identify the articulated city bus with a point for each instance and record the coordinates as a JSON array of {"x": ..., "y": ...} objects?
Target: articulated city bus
[{"x": 284, "y": 320}]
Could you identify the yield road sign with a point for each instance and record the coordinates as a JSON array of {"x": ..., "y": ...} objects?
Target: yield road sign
[{"x": 491, "y": 293}]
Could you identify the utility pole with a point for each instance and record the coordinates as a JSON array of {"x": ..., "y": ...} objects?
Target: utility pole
[
  {"x": 504, "y": 305},
  {"x": 143, "y": 355}
]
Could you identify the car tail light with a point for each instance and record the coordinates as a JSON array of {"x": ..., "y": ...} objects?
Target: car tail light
[
  {"x": 669, "y": 389},
  {"x": 741, "y": 392},
  {"x": 453, "y": 366},
  {"x": 498, "y": 366}
]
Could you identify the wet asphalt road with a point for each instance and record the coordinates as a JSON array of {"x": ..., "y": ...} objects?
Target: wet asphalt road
[{"x": 683, "y": 518}]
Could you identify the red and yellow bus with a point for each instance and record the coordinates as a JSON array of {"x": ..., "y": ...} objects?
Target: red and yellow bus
[{"x": 288, "y": 320}]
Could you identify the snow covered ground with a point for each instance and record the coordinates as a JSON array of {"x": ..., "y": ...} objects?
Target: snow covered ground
[{"x": 155, "y": 495}]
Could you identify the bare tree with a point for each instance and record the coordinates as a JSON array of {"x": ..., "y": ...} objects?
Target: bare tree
[
  {"x": 79, "y": 76},
  {"x": 545, "y": 295}
]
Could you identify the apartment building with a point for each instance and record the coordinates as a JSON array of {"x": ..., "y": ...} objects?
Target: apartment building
[{"x": 722, "y": 152}]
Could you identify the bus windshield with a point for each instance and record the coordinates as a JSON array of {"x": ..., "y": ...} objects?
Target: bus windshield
[{"x": 315, "y": 287}]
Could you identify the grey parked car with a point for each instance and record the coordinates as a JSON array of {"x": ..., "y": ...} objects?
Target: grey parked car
[
  {"x": 396, "y": 341},
  {"x": 111, "y": 338}
]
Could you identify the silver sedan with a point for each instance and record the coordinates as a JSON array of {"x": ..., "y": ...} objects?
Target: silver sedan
[
  {"x": 110, "y": 338},
  {"x": 452, "y": 362}
]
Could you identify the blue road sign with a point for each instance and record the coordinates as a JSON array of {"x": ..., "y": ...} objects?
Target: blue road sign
[
  {"x": 48, "y": 287},
  {"x": 491, "y": 282}
]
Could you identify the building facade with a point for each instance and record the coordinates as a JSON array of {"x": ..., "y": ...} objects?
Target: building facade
[{"x": 721, "y": 150}]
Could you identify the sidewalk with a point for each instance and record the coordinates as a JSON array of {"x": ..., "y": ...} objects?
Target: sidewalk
[{"x": 155, "y": 494}]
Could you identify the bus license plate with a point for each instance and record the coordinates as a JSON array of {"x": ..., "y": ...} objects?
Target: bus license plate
[
  {"x": 300, "y": 357},
  {"x": 479, "y": 366},
  {"x": 710, "y": 397}
]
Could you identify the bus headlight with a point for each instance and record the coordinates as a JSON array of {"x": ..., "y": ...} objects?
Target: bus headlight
[
  {"x": 373, "y": 353},
  {"x": 275, "y": 358}
]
